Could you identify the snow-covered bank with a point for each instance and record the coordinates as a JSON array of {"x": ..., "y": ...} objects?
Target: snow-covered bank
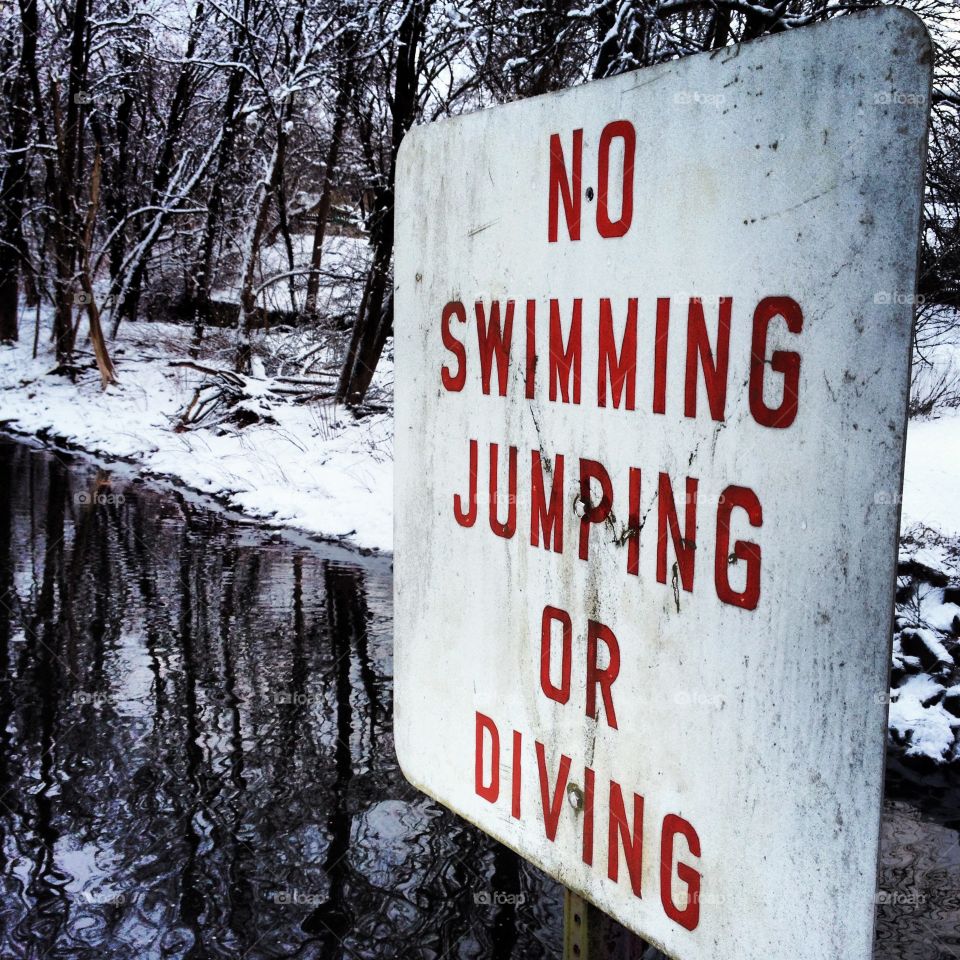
[
  {"x": 318, "y": 468},
  {"x": 931, "y": 485},
  {"x": 925, "y": 672}
]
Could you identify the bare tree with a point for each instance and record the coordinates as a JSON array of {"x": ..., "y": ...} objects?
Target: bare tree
[
  {"x": 13, "y": 187},
  {"x": 345, "y": 75}
]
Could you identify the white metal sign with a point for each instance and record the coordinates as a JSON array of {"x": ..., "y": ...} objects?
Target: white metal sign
[{"x": 652, "y": 359}]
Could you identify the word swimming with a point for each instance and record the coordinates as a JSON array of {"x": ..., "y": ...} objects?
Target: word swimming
[{"x": 570, "y": 345}]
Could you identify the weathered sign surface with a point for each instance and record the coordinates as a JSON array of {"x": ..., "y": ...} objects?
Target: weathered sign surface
[{"x": 652, "y": 359}]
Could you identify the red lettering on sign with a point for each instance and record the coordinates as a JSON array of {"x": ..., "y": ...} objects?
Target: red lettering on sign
[
  {"x": 588, "y": 780},
  {"x": 689, "y": 916},
  {"x": 596, "y": 496},
  {"x": 617, "y": 357},
  {"x": 593, "y": 512},
  {"x": 508, "y": 528},
  {"x": 565, "y": 358},
  {"x": 744, "y": 550},
  {"x": 633, "y": 524},
  {"x": 624, "y": 833},
  {"x": 488, "y": 791},
  {"x": 468, "y": 517},
  {"x": 453, "y": 381},
  {"x": 714, "y": 371},
  {"x": 494, "y": 344},
  {"x": 684, "y": 546},
  {"x": 515, "y": 780},
  {"x": 561, "y": 694},
  {"x": 622, "y": 368},
  {"x": 531, "y": 370},
  {"x": 549, "y": 520},
  {"x": 601, "y": 677},
  {"x": 660, "y": 355},
  {"x": 786, "y": 362},
  {"x": 560, "y": 186},
  {"x": 619, "y": 831},
  {"x": 622, "y": 129},
  {"x": 552, "y": 807}
]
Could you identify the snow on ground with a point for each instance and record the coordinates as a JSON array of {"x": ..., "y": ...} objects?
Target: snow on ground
[
  {"x": 319, "y": 468},
  {"x": 917, "y": 713},
  {"x": 925, "y": 672},
  {"x": 931, "y": 486}
]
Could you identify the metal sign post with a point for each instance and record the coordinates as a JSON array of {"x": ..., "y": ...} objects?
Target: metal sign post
[
  {"x": 653, "y": 339},
  {"x": 589, "y": 934}
]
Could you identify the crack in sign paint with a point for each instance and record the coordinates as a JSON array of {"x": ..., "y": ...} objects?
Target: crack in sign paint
[
  {"x": 796, "y": 206},
  {"x": 480, "y": 229}
]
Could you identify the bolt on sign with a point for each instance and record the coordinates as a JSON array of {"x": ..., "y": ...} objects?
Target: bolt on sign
[{"x": 653, "y": 340}]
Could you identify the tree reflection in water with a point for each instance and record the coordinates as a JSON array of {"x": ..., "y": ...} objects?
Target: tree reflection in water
[{"x": 197, "y": 756}]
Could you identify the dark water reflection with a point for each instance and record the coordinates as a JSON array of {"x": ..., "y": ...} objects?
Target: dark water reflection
[
  {"x": 197, "y": 756},
  {"x": 918, "y": 911}
]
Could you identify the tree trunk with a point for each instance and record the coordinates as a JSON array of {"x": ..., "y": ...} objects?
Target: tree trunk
[
  {"x": 68, "y": 130},
  {"x": 120, "y": 180},
  {"x": 344, "y": 91},
  {"x": 283, "y": 227},
  {"x": 101, "y": 354},
  {"x": 375, "y": 322},
  {"x": 14, "y": 184},
  {"x": 372, "y": 327},
  {"x": 271, "y": 183},
  {"x": 200, "y": 281},
  {"x": 129, "y": 292},
  {"x": 248, "y": 297}
]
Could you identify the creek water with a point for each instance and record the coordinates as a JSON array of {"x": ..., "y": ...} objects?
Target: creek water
[{"x": 197, "y": 756}]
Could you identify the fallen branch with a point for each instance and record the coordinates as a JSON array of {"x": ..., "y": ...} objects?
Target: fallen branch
[{"x": 240, "y": 399}]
